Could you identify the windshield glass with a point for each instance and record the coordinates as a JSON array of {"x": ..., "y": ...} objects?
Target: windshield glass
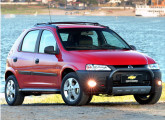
[{"x": 91, "y": 39}]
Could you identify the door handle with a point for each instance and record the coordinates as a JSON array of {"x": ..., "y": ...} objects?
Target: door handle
[
  {"x": 37, "y": 61},
  {"x": 15, "y": 59}
]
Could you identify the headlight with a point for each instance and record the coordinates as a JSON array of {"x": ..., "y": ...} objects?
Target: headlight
[
  {"x": 153, "y": 66},
  {"x": 97, "y": 67}
]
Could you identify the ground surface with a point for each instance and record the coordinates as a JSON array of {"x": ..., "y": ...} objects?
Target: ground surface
[{"x": 93, "y": 111}]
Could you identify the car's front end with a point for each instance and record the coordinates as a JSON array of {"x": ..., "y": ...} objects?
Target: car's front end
[
  {"x": 106, "y": 64},
  {"x": 120, "y": 79}
]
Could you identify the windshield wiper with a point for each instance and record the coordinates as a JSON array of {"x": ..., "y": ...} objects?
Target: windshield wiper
[
  {"x": 126, "y": 49},
  {"x": 102, "y": 47},
  {"x": 106, "y": 46},
  {"x": 82, "y": 48}
]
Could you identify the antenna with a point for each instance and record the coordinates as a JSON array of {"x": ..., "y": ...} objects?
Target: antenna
[{"x": 49, "y": 12}]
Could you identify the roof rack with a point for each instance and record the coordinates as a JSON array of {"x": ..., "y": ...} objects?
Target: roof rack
[
  {"x": 84, "y": 23},
  {"x": 81, "y": 23}
]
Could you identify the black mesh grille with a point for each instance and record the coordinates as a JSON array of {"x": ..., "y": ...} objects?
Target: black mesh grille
[{"x": 126, "y": 66}]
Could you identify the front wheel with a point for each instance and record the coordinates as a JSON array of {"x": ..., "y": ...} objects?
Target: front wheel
[
  {"x": 151, "y": 98},
  {"x": 72, "y": 92},
  {"x": 90, "y": 98}
]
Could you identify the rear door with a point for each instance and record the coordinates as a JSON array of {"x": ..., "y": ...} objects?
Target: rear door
[
  {"x": 23, "y": 59},
  {"x": 45, "y": 72}
]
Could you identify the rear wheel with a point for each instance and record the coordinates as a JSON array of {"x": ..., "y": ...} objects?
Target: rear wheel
[
  {"x": 72, "y": 92},
  {"x": 149, "y": 99},
  {"x": 12, "y": 94}
]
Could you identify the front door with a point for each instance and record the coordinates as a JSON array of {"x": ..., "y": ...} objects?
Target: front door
[{"x": 45, "y": 73}]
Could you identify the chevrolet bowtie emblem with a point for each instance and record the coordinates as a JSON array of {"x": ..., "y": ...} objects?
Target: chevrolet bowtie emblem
[
  {"x": 130, "y": 66},
  {"x": 132, "y": 77}
]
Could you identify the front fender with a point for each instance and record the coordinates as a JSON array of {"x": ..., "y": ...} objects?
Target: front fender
[{"x": 68, "y": 66}]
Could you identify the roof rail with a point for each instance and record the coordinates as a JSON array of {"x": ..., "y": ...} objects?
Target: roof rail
[
  {"x": 41, "y": 24},
  {"x": 82, "y": 23}
]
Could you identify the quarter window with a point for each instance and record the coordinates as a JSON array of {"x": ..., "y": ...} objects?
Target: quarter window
[
  {"x": 29, "y": 41},
  {"x": 47, "y": 39}
]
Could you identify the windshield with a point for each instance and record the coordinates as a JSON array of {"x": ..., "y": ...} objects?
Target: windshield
[{"x": 91, "y": 39}]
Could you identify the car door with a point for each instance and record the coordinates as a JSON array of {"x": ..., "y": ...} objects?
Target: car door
[
  {"x": 23, "y": 59},
  {"x": 45, "y": 73}
]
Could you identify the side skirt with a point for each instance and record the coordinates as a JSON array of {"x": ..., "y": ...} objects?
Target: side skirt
[{"x": 39, "y": 90}]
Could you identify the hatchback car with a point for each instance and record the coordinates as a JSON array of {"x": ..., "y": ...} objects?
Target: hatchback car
[{"x": 78, "y": 60}]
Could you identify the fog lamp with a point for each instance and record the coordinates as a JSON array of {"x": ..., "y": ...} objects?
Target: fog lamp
[
  {"x": 159, "y": 82},
  {"x": 92, "y": 83}
]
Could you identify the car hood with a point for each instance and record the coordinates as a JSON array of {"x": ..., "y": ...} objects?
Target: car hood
[{"x": 111, "y": 57}]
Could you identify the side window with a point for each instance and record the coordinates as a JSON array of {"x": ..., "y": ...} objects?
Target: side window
[
  {"x": 47, "y": 39},
  {"x": 29, "y": 41}
]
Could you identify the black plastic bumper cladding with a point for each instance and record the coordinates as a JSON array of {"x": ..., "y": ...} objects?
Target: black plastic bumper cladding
[
  {"x": 99, "y": 76},
  {"x": 105, "y": 80},
  {"x": 157, "y": 76}
]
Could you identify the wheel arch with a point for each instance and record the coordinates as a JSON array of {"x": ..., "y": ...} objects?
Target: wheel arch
[
  {"x": 66, "y": 71},
  {"x": 8, "y": 73}
]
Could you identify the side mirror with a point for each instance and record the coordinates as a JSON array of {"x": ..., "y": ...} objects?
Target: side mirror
[
  {"x": 133, "y": 47},
  {"x": 49, "y": 50}
]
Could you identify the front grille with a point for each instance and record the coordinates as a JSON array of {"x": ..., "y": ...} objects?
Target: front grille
[
  {"x": 126, "y": 66},
  {"x": 120, "y": 78}
]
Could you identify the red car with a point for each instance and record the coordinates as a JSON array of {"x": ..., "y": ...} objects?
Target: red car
[{"x": 78, "y": 60}]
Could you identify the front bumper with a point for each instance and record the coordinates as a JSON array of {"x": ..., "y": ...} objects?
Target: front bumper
[{"x": 110, "y": 82}]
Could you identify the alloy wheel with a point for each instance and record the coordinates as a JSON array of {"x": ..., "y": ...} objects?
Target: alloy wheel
[
  {"x": 10, "y": 90},
  {"x": 71, "y": 89}
]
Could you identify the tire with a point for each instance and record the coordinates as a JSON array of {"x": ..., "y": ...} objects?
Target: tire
[
  {"x": 12, "y": 94},
  {"x": 72, "y": 92},
  {"x": 89, "y": 100},
  {"x": 151, "y": 98}
]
